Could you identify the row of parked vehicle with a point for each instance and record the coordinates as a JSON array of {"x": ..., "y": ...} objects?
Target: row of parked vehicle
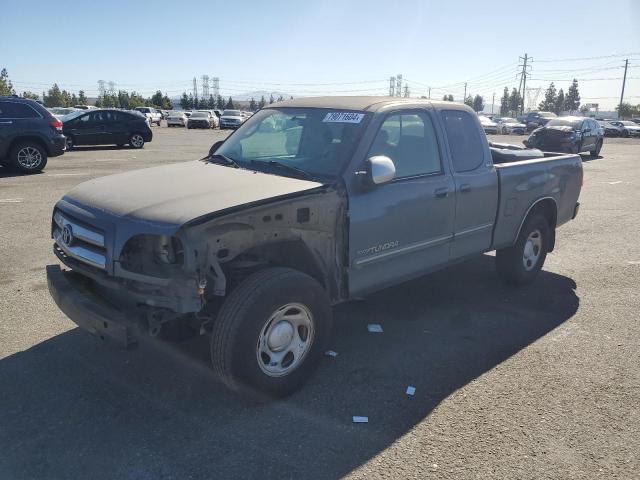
[{"x": 207, "y": 118}]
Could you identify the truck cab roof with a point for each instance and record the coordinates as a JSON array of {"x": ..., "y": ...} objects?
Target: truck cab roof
[{"x": 364, "y": 103}]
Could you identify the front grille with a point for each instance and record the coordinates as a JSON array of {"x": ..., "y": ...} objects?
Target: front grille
[{"x": 79, "y": 241}]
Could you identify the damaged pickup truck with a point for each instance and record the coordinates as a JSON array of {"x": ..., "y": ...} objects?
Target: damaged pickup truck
[{"x": 310, "y": 203}]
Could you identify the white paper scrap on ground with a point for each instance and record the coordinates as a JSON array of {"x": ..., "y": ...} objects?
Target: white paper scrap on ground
[
  {"x": 634, "y": 262},
  {"x": 10, "y": 200},
  {"x": 374, "y": 328},
  {"x": 357, "y": 419},
  {"x": 615, "y": 183},
  {"x": 411, "y": 390},
  {"x": 331, "y": 353}
]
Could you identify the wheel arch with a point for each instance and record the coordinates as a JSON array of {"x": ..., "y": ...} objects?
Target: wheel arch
[
  {"x": 28, "y": 138},
  {"x": 548, "y": 207}
]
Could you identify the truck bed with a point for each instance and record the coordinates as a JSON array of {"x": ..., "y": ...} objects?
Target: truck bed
[{"x": 522, "y": 183}]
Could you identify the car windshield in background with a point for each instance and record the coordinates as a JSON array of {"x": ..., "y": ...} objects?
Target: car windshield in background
[
  {"x": 561, "y": 122},
  {"x": 627, "y": 123},
  {"x": 232, "y": 113},
  {"x": 199, "y": 115},
  {"x": 547, "y": 114},
  {"x": 509, "y": 120},
  {"x": 317, "y": 141},
  {"x": 72, "y": 115}
]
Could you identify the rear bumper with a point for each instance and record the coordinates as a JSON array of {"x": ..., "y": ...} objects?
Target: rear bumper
[
  {"x": 89, "y": 311},
  {"x": 57, "y": 146},
  {"x": 575, "y": 210},
  {"x": 148, "y": 136}
]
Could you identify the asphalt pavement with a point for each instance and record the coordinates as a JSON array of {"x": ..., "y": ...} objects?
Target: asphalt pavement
[{"x": 534, "y": 382}]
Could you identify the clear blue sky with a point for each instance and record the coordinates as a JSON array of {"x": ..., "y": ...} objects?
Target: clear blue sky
[{"x": 260, "y": 45}]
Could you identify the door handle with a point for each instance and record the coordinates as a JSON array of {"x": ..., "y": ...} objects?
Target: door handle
[
  {"x": 465, "y": 188},
  {"x": 441, "y": 192}
]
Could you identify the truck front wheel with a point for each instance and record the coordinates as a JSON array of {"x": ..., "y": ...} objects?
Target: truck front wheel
[
  {"x": 520, "y": 263},
  {"x": 270, "y": 332}
]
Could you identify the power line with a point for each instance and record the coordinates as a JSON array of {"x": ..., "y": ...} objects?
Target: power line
[{"x": 588, "y": 58}]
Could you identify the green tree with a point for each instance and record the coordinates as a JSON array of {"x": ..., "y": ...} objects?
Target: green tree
[
  {"x": 625, "y": 110},
  {"x": 156, "y": 99},
  {"x": 98, "y": 103},
  {"x": 253, "y": 106},
  {"x": 220, "y": 102},
  {"x": 53, "y": 97},
  {"x": 211, "y": 103},
  {"x": 515, "y": 101},
  {"x": 550, "y": 98},
  {"x": 31, "y": 95},
  {"x": 184, "y": 101},
  {"x": 74, "y": 100},
  {"x": 136, "y": 100},
  {"x": 280, "y": 99},
  {"x": 6, "y": 87},
  {"x": 262, "y": 102},
  {"x": 448, "y": 98},
  {"x": 271, "y": 100},
  {"x": 229, "y": 105},
  {"x": 82, "y": 100},
  {"x": 572, "y": 99},
  {"x": 191, "y": 105},
  {"x": 66, "y": 98},
  {"x": 560, "y": 100},
  {"x": 123, "y": 99},
  {"x": 469, "y": 101},
  {"x": 478, "y": 103},
  {"x": 504, "y": 103},
  {"x": 167, "y": 104}
]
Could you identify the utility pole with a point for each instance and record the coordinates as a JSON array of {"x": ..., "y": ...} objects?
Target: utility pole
[
  {"x": 195, "y": 93},
  {"x": 523, "y": 79},
  {"x": 429, "y": 93},
  {"x": 392, "y": 86},
  {"x": 493, "y": 100},
  {"x": 624, "y": 80},
  {"x": 465, "y": 92},
  {"x": 399, "y": 85}
]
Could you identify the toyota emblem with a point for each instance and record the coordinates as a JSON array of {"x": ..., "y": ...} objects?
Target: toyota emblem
[{"x": 67, "y": 235}]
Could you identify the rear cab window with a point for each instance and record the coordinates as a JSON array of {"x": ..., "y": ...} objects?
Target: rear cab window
[{"x": 465, "y": 144}]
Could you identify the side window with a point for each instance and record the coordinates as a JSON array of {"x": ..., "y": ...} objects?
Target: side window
[
  {"x": 467, "y": 149},
  {"x": 409, "y": 140},
  {"x": 17, "y": 110},
  {"x": 83, "y": 121}
]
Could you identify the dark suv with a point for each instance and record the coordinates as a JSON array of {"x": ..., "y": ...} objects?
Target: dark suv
[
  {"x": 29, "y": 134},
  {"x": 106, "y": 127},
  {"x": 568, "y": 134}
]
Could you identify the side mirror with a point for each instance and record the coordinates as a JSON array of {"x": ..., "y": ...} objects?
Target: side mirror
[
  {"x": 215, "y": 147},
  {"x": 379, "y": 170}
]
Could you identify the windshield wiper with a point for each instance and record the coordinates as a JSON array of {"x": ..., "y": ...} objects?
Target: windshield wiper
[
  {"x": 291, "y": 168},
  {"x": 227, "y": 161}
]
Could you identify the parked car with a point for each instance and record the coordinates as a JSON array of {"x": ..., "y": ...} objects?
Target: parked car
[
  {"x": 177, "y": 119},
  {"x": 151, "y": 113},
  {"x": 568, "y": 134},
  {"x": 534, "y": 120},
  {"x": 611, "y": 130},
  {"x": 214, "y": 117},
  {"x": 636, "y": 121},
  {"x": 200, "y": 120},
  {"x": 311, "y": 203},
  {"x": 84, "y": 107},
  {"x": 29, "y": 135},
  {"x": 488, "y": 125},
  {"x": 506, "y": 125},
  {"x": 218, "y": 113},
  {"x": 231, "y": 119},
  {"x": 628, "y": 128},
  {"x": 60, "y": 111},
  {"x": 106, "y": 127}
]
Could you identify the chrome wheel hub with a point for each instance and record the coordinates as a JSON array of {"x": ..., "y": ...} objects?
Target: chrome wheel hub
[
  {"x": 532, "y": 250},
  {"x": 137, "y": 141},
  {"x": 285, "y": 340},
  {"x": 29, "y": 157}
]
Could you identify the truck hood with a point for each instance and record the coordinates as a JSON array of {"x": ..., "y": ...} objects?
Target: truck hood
[{"x": 178, "y": 193}]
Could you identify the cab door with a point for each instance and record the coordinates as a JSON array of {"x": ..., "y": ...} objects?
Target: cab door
[{"x": 401, "y": 229}]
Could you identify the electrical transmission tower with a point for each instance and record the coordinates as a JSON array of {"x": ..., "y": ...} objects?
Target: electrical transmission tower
[
  {"x": 392, "y": 86},
  {"x": 406, "y": 90},
  {"x": 112, "y": 87},
  {"x": 399, "y": 85},
  {"x": 216, "y": 86},
  {"x": 101, "y": 88},
  {"x": 205, "y": 86},
  {"x": 532, "y": 95},
  {"x": 522, "y": 87}
]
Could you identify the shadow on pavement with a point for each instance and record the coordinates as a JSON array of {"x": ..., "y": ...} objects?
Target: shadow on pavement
[{"x": 73, "y": 408}]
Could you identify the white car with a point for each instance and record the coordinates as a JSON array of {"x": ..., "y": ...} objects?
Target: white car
[
  {"x": 177, "y": 119},
  {"x": 507, "y": 125},
  {"x": 214, "y": 117},
  {"x": 231, "y": 119},
  {"x": 629, "y": 129},
  {"x": 488, "y": 125},
  {"x": 153, "y": 115}
]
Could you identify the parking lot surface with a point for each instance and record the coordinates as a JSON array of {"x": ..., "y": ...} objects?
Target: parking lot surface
[{"x": 534, "y": 382}]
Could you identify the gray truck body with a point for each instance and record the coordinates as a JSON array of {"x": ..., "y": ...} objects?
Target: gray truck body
[{"x": 353, "y": 239}]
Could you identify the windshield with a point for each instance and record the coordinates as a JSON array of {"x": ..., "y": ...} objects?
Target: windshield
[
  {"x": 317, "y": 141},
  {"x": 509, "y": 120},
  {"x": 485, "y": 120},
  {"x": 199, "y": 115},
  {"x": 547, "y": 114},
  {"x": 72, "y": 115},
  {"x": 231, "y": 113},
  {"x": 629, "y": 124},
  {"x": 176, "y": 114},
  {"x": 561, "y": 122}
]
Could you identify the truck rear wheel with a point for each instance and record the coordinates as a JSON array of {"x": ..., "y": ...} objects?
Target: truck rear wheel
[
  {"x": 270, "y": 332},
  {"x": 521, "y": 263}
]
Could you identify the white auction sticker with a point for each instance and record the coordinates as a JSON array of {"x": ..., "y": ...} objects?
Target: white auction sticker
[{"x": 343, "y": 117}]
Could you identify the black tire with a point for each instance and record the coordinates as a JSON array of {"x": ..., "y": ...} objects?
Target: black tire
[
  {"x": 244, "y": 316},
  {"x": 70, "y": 142},
  {"x": 596, "y": 151},
  {"x": 136, "y": 140},
  {"x": 120, "y": 145},
  {"x": 510, "y": 261},
  {"x": 28, "y": 157}
]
